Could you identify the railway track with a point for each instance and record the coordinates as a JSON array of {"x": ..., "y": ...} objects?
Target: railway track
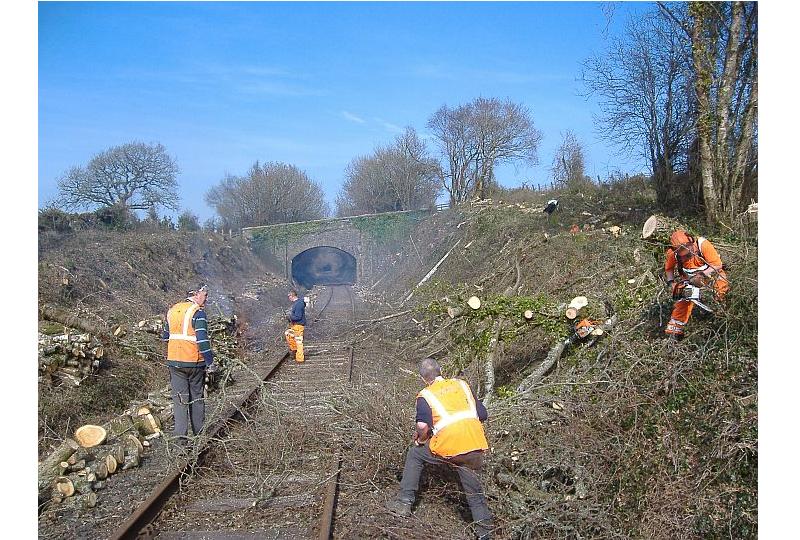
[{"x": 264, "y": 472}]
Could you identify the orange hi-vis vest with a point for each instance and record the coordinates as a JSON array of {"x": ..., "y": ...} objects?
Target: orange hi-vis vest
[
  {"x": 182, "y": 345},
  {"x": 456, "y": 428},
  {"x": 700, "y": 261}
]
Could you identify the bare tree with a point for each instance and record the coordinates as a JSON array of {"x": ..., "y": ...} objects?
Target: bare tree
[
  {"x": 569, "y": 168},
  {"x": 400, "y": 176},
  {"x": 475, "y": 137},
  {"x": 642, "y": 81},
  {"x": 268, "y": 194},
  {"x": 724, "y": 39},
  {"x": 455, "y": 134},
  {"x": 133, "y": 176},
  {"x": 505, "y": 133}
]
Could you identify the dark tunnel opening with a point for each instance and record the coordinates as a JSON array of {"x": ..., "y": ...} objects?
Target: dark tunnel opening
[{"x": 324, "y": 265}]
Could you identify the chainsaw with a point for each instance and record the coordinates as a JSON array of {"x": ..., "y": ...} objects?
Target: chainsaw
[{"x": 687, "y": 291}]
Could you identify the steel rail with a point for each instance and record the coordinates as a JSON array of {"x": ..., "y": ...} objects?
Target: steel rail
[
  {"x": 149, "y": 509},
  {"x": 137, "y": 524},
  {"x": 332, "y": 490}
]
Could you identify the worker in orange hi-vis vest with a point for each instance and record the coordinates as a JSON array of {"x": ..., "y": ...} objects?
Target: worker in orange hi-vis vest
[
  {"x": 189, "y": 358},
  {"x": 449, "y": 431},
  {"x": 691, "y": 264},
  {"x": 297, "y": 322}
]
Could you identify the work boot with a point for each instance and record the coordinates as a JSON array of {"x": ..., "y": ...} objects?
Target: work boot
[{"x": 399, "y": 508}]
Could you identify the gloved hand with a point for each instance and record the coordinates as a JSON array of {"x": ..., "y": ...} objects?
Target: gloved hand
[
  {"x": 676, "y": 290},
  {"x": 213, "y": 368},
  {"x": 698, "y": 280}
]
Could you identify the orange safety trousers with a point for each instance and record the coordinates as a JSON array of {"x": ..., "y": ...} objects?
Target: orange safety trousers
[
  {"x": 294, "y": 337},
  {"x": 682, "y": 309}
]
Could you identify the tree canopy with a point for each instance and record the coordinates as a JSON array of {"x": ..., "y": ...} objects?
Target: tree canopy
[
  {"x": 269, "y": 193},
  {"x": 132, "y": 176},
  {"x": 399, "y": 176},
  {"x": 475, "y": 137}
]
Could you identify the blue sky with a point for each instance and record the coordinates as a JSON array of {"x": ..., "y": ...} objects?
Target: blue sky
[{"x": 313, "y": 84}]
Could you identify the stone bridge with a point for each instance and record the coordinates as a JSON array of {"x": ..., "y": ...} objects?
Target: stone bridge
[{"x": 336, "y": 251}]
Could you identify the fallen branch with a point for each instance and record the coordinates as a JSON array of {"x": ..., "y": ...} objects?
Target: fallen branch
[
  {"x": 431, "y": 272},
  {"x": 489, "y": 366},
  {"x": 387, "y": 317},
  {"x": 553, "y": 356}
]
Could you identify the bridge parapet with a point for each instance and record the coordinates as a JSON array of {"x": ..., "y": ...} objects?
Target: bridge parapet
[{"x": 370, "y": 238}]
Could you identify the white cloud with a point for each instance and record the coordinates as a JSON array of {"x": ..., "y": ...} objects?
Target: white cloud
[
  {"x": 353, "y": 118},
  {"x": 392, "y": 128}
]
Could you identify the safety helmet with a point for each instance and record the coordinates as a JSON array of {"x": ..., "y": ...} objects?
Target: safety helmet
[{"x": 679, "y": 239}]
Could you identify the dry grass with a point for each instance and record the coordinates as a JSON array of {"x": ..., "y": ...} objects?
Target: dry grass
[{"x": 650, "y": 438}]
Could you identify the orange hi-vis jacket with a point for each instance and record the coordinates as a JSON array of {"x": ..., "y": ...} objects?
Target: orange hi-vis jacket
[
  {"x": 182, "y": 345},
  {"x": 706, "y": 257},
  {"x": 456, "y": 427}
]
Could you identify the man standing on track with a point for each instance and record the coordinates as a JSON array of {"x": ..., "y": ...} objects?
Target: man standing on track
[
  {"x": 189, "y": 356},
  {"x": 297, "y": 322},
  {"x": 448, "y": 409}
]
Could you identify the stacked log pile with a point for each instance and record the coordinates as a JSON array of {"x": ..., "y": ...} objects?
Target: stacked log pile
[
  {"x": 73, "y": 472},
  {"x": 70, "y": 356}
]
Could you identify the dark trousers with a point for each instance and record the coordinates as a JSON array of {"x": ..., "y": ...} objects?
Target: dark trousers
[
  {"x": 469, "y": 467},
  {"x": 187, "y": 395}
]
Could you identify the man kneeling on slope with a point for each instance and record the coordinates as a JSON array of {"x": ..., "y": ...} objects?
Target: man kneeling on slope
[{"x": 450, "y": 408}]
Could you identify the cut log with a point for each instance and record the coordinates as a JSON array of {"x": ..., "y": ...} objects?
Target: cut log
[
  {"x": 146, "y": 424},
  {"x": 77, "y": 466},
  {"x": 90, "y": 435},
  {"x": 528, "y": 314},
  {"x": 659, "y": 228},
  {"x": 578, "y": 302},
  {"x": 133, "y": 451},
  {"x": 55, "y": 314},
  {"x": 111, "y": 464},
  {"x": 474, "y": 302},
  {"x": 131, "y": 460},
  {"x": 81, "y": 454},
  {"x": 82, "y": 485},
  {"x": 119, "y": 425},
  {"x": 119, "y": 331},
  {"x": 571, "y": 313},
  {"x": 142, "y": 410},
  {"x": 132, "y": 443},
  {"x": 88, "y": 501},
  {"x": 118, "y": 453},
  {"x": 65, "y": 486},
  {"x": 49, "y": 467},
  {"x": 98, "y": 351},
  {"x": 100, "y": 470},
  {"x": 454, "y": 312}
]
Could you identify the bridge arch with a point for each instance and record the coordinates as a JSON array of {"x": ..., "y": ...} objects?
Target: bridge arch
[{"x": 324, "y": 265}]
